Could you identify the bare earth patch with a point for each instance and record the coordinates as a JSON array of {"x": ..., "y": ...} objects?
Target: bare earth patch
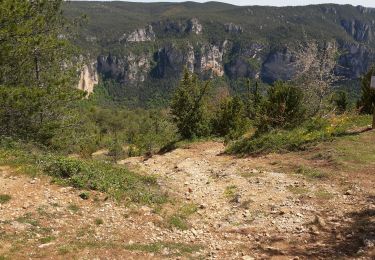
[{"x": 249, "y": 209}]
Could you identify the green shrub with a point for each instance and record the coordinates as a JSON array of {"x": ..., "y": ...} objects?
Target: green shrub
[
  {"x": 116, "y": 150},
  {"x": 341, "y": 101},
  {"x": 178, "y": 222},
  {"x": 310, "y": 173},
  {"x": 119, "y": 182},
  {"x": 4, "y": 198},
  {"x": 230, "y": 120},
  {"x": 281, "y": 140},
  {"x": 283, "y": 108},
  {"x": 34, "y": 113},
  {"x": 189, "y": 107},
  {"x": 64, "y": 167},
  {"x": 84, "y": 195},
  {"x": 99, "y": 221}
]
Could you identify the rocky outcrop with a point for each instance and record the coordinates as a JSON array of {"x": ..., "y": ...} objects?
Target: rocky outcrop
[
  {"x": 140, "y": 35},
  {"x": 170, "y": 61},
  {"x": 358, "y": 30},
  {"x": 233, "y": 28},
  {"x": 355, "y": 61},
  {"x": 365, "y": 10},
  {"x": 195, "y": 26},
  {"x": 279, "y": 65},
  {"x": 216, "y": 60},
  {"x": 178, "y": 27},
  {"x": 211, "y": 61},
  {"x": 207, "y": 60},
  {"x": 167, "y": 62},
  {"x": 245, "y": 61},
  {"x": 129, "y": 69},
  {"x": 329, "y": 10},
  {"x": 88, "y": 78}
]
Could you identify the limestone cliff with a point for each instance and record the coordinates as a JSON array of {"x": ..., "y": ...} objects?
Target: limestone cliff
[
  {"x": 149, "y": 47},
  {"x": 127, "y": 69},
  {"x": 139, "y": 35},
  {"x": 212, "y": 59},
  {"x": 88, "y": 78}
]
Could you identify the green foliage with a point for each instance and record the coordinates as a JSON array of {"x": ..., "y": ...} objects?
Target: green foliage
[
  {"x": 279, "y": 140},
  {"x": 34, "y": 39},
  {"x": 253, "y": 101},
  {"x": 116, "y": 150},
  {"x": 189, "y": 107},
  {"x": 116, "y": 181},
  {"x": 283, "y": 108},
  {"x": 138, "y": 131},
  {"x": 367, "y": 102},
  {"x": 230, "y": 120},
  {"x": 178, "y": 222},
  {"x": 99, "y": 221},
  {"x": 37, "y": 71},
  {"x": 176, "y": 248},
  {"x": 48, "y": 239},
  {"x": 310, "y": 172},
  {"x": 341, "y": 101},
  {"x": 33, "y": 113},
  {"x": 231, "y": 192},
  {"x": 84, "y": 195},
  {"x": 4, "y": 198}
]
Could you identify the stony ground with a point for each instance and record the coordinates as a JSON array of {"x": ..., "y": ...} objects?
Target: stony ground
[{"x": 221, "y": 207}]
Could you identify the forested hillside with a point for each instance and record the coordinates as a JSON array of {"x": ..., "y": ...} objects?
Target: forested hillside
[{"x": 141, "y": 49}]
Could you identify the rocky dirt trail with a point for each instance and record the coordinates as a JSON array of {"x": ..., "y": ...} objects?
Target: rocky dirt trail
[
  {"x": 246, "y": 212},
  {"x": 241, "y": 210}
]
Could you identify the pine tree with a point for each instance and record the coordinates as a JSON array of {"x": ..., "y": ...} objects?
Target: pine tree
[
  {"x": 189, "y": 107},
  {"x": 37, "y": 72},
  {"x": 283, "y": 109},
  {"x": 230, "y": 120},
  {"x": 34, "y": 44}
]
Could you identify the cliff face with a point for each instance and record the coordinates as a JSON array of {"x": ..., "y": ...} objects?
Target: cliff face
[
  {"x": 139, "y": 35},
  {"x": 215, "y": 40},
  {"x": 210, "y": 60},
  {"x": 168, "y": 61},
  {"x": 360, "y": 31},
  {"x": 129, "y": 69},
  {"x": 88, "y": 78}
]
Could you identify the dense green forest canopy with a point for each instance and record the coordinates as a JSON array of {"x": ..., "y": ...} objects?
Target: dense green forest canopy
[{"x": 108, "y": 21}]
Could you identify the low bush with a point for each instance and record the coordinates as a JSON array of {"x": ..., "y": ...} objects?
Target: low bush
[
  {"x": 117, "y": 181},
  {"x": 4, "y": 198},
  {"x": 283, "y": 108},
  {"x": 316, "y": 130}
]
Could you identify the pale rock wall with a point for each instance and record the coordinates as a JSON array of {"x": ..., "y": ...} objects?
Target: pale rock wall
[{"x": 88, "y": 78}]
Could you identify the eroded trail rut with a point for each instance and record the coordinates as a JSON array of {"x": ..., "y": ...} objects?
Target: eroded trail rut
[{"x": 246, "y": 212}]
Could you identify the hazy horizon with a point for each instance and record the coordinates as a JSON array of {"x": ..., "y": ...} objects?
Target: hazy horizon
[{"x": 366, "y": 3}]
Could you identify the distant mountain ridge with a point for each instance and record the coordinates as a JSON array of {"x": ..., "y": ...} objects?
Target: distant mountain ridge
[{"x": 145, "y": 46}]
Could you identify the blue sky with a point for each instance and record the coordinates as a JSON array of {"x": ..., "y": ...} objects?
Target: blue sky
[{"x": 368, "y": 3}]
